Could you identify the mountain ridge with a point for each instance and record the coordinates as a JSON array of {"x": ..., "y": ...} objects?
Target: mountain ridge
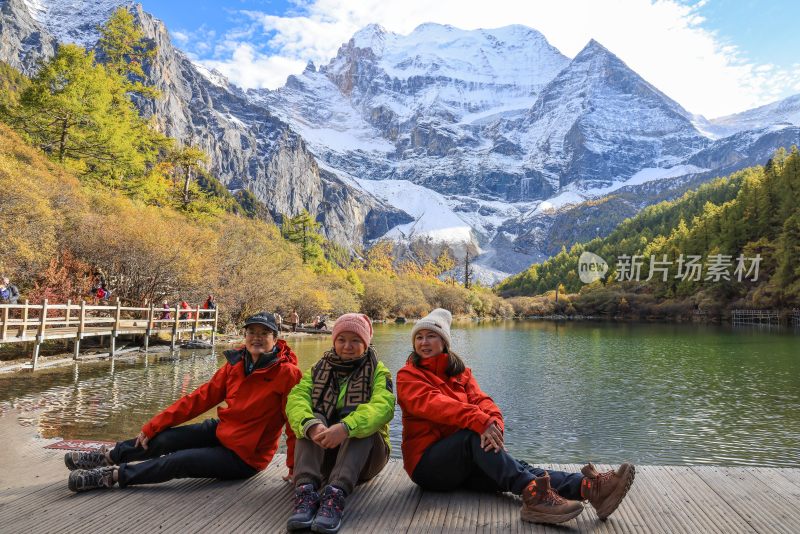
[{"x": 505, "y": 149}]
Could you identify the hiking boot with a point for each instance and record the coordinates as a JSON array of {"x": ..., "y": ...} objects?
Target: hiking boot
[
  {"x": 605, "y": 491},
  {"x": 86, "y": 460},
  {"x": 89, "y": 479},
  {"x": 306, "y": 504},
  {"x": 329, "y": 517},
  {"x": 541, "y": 504}
]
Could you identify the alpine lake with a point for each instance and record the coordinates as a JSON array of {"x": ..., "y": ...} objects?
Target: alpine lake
[{"x": 570, "y": 392}]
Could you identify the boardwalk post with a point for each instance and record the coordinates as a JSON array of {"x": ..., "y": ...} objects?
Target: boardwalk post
[
  {"x": 149, "y": 327},
  {"x": 115, "y": 329},
  {"x": 39, "y": 334},
  {"x": 24, "y": 332},
  {"x": 214, "y": 330},
  {"x": 175, "y": 326},
  {"x": 79, "y": 335},
  {"x": 66, "y": 322},
  {"x": 5, "y": 324},
  {"x": 196, "y": 324}
]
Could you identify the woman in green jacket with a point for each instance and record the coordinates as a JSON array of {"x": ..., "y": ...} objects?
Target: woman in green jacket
[{"x": 340, "y": 412}]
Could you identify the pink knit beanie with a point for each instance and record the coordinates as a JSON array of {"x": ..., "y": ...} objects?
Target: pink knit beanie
[{"x": 358, "y": 323}]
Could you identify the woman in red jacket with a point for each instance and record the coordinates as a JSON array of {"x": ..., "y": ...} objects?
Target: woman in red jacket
[
  {"x": 254, "y": 385},
  {"x": 453, "y": 437}
]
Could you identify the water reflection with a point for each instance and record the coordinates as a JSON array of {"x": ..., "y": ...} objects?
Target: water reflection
[{"x": 657, "y": 394}]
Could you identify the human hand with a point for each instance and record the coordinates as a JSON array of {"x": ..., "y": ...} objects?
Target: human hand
[
  {"x": 333, "y": 436},
  {"x": 288, "y": 476},
  {"x": 141, "y": 440},
  {"x": 314, "y": 432},
  {"x": 492, "y": 438}
]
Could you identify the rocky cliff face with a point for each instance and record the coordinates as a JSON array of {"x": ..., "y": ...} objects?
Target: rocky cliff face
[{"x": 23, "y": 40}]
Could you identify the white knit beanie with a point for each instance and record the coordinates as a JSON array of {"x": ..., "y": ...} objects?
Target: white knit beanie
[{"x": 438, "y": 321}]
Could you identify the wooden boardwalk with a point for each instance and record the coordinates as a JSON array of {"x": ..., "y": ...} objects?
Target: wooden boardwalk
[
  {"x": 38, "y": 323},
  {"x": 662, "y": 500}
]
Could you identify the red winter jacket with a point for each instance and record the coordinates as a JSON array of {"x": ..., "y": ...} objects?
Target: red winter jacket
[
  {"x": 250, "y": 425},
  {"x": 436, "y": 405}
]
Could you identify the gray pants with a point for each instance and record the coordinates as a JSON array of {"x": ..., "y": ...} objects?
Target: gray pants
[{"x": 356, "y": 460}]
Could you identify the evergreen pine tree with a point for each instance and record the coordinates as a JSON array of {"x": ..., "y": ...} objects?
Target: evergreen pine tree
[
  {"x": 79, "y": 114},
  {"x": 125, "y": 51},
  {"x": 303, "y": 230}
]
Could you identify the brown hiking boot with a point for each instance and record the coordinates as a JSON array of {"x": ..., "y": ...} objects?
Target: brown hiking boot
[
  {"x": 541, "y": 504},
  {"x": 605, "y": 491}
]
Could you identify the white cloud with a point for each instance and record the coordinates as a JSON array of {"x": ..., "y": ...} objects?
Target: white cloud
[
  {"x": 661, "y": 40},
  {"x": 180, "y": 37},
  {"x": 247, "y": 68}
]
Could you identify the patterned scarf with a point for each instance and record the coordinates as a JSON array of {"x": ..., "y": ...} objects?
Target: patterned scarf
[{"x": 326, "y": 375}]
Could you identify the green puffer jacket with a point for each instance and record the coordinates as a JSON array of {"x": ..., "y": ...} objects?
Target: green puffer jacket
[{"x": 368, "y": 418}]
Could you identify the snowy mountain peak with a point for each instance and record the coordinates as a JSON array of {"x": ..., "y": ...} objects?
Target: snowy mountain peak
[
  {"x": 591, "y": 108},
  {"x": 370, "y": 36},
  {"x": 594, "y": 47},
  {"x": 74, "y": 21},
  {"x": 782, "y": 113},
  {"x": 310, "y": 67},
  {"x": 599, "y": 67},
  {"x": 598, "y": 54}
]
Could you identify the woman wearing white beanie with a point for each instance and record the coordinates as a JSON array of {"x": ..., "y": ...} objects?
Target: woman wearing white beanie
[{"x": 453, "y": 437}]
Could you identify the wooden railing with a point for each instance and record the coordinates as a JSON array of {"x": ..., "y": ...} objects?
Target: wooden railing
[
  {"x": 755, "y": 317},
  {"x": 40, "y": 322}
]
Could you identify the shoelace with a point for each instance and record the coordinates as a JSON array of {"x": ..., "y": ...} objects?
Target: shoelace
[
  {"x": 595, "y": 485},
  {"x": 550, "y": 497},
  {"x": 93, "y": 478},
  {"x": 302, "y": 503},
  {"x": 333, "y": 502},
  {"x": 553, "y": 498},
  {"x": 90, "y": 460}
]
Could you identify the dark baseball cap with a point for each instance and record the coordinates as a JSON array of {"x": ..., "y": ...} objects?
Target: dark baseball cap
[{"x": 263, "y": 318}]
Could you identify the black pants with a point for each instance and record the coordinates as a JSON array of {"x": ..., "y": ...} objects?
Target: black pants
[
  {"x": 191, "y": 451},
  {"x": 458, "y": 461}
]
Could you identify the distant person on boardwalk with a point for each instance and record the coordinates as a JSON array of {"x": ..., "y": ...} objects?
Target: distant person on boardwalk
[
  {"x": 166, "y": 314},
  {"x": 185, "y": 314},
  {"x": 9, "y": 294},
  {"x": 278, "y": 321},
  {"x": 320, "y": 323},
  {"x": 453, "y": 437},
  {"x": 294, "y": 320},
  {"x": 254, "y": 384},
  {"x": 100, "y": 291},
  {"x": 340, "y": 413},
  {"x": 210, "y": 303}
]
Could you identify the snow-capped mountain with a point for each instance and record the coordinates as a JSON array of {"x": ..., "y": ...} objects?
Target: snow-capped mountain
[
  {"x": 785, "y": 112},
  {"x": 487, "y": 137},
  {"x": 420, "y": 107},
  {"x": 69, "y": 21},
  {"x": 576, "y": 130},
  {"x": 443, "y": 125}
]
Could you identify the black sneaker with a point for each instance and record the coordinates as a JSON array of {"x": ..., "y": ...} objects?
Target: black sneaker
[
  {"x": 86, "y": 460},
  {"x": 89, "y": 479},
  {"x": 306, "y": 504},
  {"x": 329, "y": 517}
]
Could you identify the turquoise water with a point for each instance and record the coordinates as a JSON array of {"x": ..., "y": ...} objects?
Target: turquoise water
[{"x": 570, "y": 392}]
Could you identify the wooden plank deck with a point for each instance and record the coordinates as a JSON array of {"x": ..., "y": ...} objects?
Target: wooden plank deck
[{"x": 662, "y": 500}]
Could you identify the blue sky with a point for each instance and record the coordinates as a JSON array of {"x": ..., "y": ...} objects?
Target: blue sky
[{"x": 714, "y": 57}]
